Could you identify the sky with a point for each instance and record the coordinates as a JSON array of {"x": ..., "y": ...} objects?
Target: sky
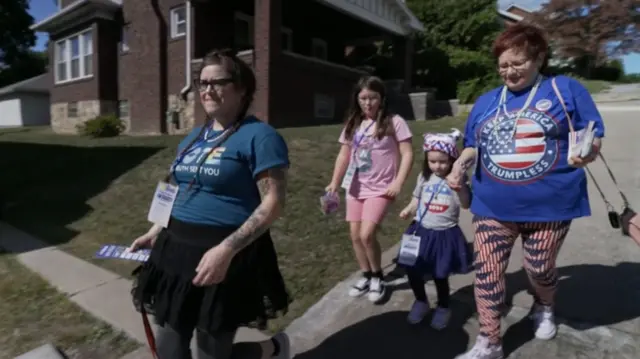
[
  {"x": 631, "y": 62},
  {"x": 40, "y": 9}
]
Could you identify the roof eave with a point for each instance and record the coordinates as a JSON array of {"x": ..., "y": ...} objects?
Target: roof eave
[{"x": 78, "y": 9}]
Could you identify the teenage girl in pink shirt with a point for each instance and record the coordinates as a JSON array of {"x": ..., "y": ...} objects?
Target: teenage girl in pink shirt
[{"x": 373, "y": 164}]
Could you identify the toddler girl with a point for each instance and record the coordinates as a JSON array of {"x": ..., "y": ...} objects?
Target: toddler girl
[{"x": 434, "y": 243}]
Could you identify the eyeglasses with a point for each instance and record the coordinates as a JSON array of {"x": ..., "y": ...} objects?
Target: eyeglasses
[
  {"x": 371, "y": 99},
  {"x": 215, "y": 84},
  {"x": 516, "y": 65}
]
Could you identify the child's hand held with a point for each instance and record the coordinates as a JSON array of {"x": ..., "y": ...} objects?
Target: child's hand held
[{"x": 404, "y": 214}]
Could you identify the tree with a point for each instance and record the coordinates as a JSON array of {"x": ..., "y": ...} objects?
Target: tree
[
  {"x": 591, "y": 31},
  {"x": 30, "y": 64},
  {"x": 17, "y": 61},
  {"x": 455, "y": 48}
]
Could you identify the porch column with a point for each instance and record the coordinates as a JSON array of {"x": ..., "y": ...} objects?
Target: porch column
[
  {"x": 403, "y": 59},
  {"x": 267, "y": 49}
]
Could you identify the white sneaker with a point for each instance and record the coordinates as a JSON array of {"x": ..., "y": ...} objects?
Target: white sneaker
[
  {"x": 544, "y": 324},
  {"x": 418, "y": 311},
  {"x": 376, "y": 289},
  {"x": 482, "y": 349},
  {"x": 285, "y": 345},
  {"x": 360, "y": 288},
  {"x": 440, "y": 318}
]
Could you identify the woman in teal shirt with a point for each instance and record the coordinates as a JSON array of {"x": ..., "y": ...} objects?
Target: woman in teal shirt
[{"x": 214, "y": 268}]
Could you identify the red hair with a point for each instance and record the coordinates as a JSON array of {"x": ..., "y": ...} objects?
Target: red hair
[{"x": 523, "y": 37}]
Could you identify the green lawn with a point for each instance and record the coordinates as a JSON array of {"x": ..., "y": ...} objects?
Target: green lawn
[
  {"x": 80, "y": 193},
  {"x": 595, "y": 86},
  {"x": 33, "y": 314}
]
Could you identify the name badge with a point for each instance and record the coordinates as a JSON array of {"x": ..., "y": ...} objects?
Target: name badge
[
  {"x": 364, "y": 159},
  {"x": 348, "y": 177},
  {"x": 409, "y": 249},
  {"x": 162, "y": 204}
]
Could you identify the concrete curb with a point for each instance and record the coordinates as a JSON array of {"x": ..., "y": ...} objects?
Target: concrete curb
[
  {"x": 615, "y": 108},
  {"x": 47, "y": 351},
  {"x": 328, "y": 309},
  {"x": 323, "y": 313},
  {"x": 87, "y": 285}
]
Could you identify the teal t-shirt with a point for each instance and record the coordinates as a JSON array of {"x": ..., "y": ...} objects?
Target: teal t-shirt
[{"x": 224, "y": 192}]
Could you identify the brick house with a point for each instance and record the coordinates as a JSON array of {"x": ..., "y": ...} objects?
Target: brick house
[
  {"x": 137, "y": 58},
  {"x": 513, "y": 14}
]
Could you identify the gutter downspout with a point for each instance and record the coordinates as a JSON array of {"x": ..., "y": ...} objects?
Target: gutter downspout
[{"x": 187, "y": 64}]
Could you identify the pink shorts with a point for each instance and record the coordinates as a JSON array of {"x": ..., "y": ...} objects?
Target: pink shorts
[{"x": 367, "y": 209}]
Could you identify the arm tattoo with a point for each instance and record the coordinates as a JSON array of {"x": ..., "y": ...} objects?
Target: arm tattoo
[{"x": 260, "y": 220}]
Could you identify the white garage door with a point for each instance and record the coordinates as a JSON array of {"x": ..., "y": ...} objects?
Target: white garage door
[{"x": 10, "y": 114}]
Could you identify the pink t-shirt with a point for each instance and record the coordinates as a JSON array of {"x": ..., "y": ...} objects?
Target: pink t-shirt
[{"x": 377, "y": 160}]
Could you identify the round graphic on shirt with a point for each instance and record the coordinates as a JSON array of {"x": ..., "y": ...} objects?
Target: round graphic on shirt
[
  {"x": 543, "y": 105},
  {"x": 523, "y": 154}
]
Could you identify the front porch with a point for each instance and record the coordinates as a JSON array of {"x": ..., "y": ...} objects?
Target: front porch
[{"x": 300, "y": 50}]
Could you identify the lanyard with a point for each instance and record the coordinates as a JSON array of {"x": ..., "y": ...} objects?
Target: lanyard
[
  {"x": 439, "y": 187},
  {"x": 220, "y": 138},
  {"x": 502, "y": 105},
  {"x": 194, "y": 146},
  {"x": 358, "y": 139}
]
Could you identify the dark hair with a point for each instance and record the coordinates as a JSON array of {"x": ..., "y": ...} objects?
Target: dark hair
[
  {"x": 355, "y": 115},
  {"x": 241, "y": 74},
  {"x": 523, "y": 37},
  {"x": 426, "y": 171},
  {"x": 242, "y": 77}
]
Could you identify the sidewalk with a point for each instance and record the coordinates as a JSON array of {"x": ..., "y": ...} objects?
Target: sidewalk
[
  {"x": 619, "y": 93},
  {"x": 102, "y": 293},
  {"x": 597, "y": 301},
  {"x": 381, "y": 332},
  {"x": 337, "y": 323}
]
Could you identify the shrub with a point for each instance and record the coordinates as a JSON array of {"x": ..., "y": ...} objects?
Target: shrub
[
  {"x": 102, "y": 126},
  {"x": 470, "y": 90}
]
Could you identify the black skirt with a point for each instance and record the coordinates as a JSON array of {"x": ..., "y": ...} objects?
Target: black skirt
[{"x": 252, "y": 293}]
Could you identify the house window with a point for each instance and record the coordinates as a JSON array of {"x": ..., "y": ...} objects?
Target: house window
[
  {"x": 178, "y": 22},
  {"x": 124, "y": 39},
  {"x": 243, "y": 26},
  {"x": 323, "y": 106},
  {"x": 123, "y": 108},
  {"x": 74, "y": 57},
  {"x": 319, "y": 49},
  {"x": 287, "y": 39},
  {"x": 72, "y": 109},
  {"x": 61, "y": 61}
]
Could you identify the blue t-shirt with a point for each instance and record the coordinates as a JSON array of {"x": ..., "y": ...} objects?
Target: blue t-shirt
[
  {"x": 224, "y": 192},
  {"x": 528, "y": 179}
]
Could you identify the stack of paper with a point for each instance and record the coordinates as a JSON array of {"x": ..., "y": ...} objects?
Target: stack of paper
[
  {"x": 581, "y": 142},
  {"x": 121, "y": 252}
]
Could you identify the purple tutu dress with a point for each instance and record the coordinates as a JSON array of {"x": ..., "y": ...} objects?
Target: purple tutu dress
[{"x": 443, "y": 249}]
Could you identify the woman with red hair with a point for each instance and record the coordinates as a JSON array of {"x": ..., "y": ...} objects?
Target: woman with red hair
[{"x": 524, "y": 184}]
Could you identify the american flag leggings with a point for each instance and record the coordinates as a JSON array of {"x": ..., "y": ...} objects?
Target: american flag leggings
[{"x": 493, "y": 241}]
